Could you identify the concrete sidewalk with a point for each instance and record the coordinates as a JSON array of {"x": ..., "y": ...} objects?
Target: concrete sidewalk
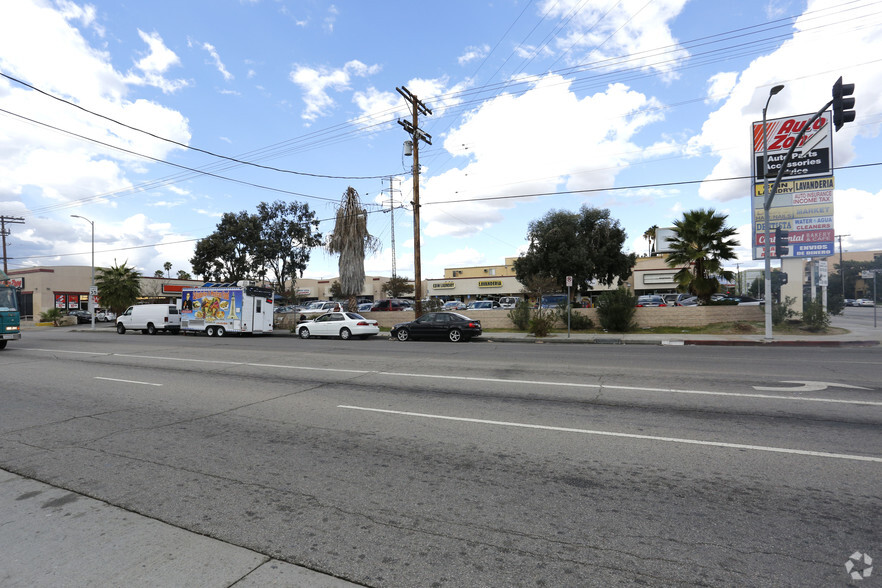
[{"x": 52, "y": 537}]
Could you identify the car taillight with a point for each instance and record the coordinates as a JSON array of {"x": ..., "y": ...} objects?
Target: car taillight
[
  {"x": 362, "y": 324},
  {"x": 474, "y": 325}
]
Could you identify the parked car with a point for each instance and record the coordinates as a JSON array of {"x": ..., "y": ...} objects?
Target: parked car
[
  {"x": 739, "y": 299},
  {"x": 83, "y": 316},
  {"x": 650, "y": 300},
  {"x": 849, "y": 302},
  {"x": 484, "y": 305},
  {"x": 365, "y": 306},
  {"x": 339, "y": 324},
  {"x": 864, "y": 302},
  {"x": 690, "y": 301},
  {"x": 452, "y": 326},
  {"x": 674, "y": 299},
  {"x": 454, "y": 305},
  {"x": 105, "y": 316},
  {"x": 391, "y": 304},
  {"x": 509, "y": 301}
]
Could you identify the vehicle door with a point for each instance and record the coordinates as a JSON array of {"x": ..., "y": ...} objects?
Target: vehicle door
[
  {"x": 440, "y": 324},
  {"x": 126, "y": 317},
  {"x": 424, "y": 326},
  {"x": 328, "y": 324}
]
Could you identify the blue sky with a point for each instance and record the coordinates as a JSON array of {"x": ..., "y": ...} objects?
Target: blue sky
[{"x": 635, "y": 104}]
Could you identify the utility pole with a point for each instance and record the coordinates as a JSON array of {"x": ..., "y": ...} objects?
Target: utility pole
[
  {"x": 4, "y": 220},
  {"x": 417, "y": 135},
  {"x": 841, "y": 269}
]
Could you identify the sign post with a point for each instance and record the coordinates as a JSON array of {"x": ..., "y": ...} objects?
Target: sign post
[{"x": 569, "y": 304}]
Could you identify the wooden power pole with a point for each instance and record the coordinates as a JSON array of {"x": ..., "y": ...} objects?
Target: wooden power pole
[
  {"x": 417, "y": 135},
  {"x": 7, "y": 220}
]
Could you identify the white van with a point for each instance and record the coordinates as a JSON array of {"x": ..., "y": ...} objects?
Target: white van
[
  {"x": 509, "y": 301},
  {"x": 150, "y": 318}
]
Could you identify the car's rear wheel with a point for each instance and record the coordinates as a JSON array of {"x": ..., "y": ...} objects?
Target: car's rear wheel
[
  {"x": 151, "y": 330},
  {"x": 303, "y": 332},
  {"x": 345, "y": 334},
  {"x": 2, "y": 343},
  {"x": 455, "y": 335},
  {"x": 402, "y": 335},
  {"x": 120, "y": 328}
]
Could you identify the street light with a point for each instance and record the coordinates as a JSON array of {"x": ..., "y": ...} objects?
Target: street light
[
  {"x": 92, "y": 287},
  {"x": 767, "y": 204}
]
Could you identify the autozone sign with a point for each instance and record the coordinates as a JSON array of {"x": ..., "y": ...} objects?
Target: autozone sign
[{"x": 781, "y": 135}]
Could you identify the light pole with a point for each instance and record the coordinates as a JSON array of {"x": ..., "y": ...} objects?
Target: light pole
[
  {"x": 92, "y": 287},
  {"x": 767, "y": 204}
]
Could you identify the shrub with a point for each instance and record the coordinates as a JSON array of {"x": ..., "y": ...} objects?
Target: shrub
[
  {"x": 520, "y": 315},
  {"x": 541, "y": 324},
  {"x": 615, "y": 310},
  {"x": 814, "y": 316},
  {"x": 50, "y": 316},
  {"x": 781, "y": 311},
  {"x": 578, "y": 322}
]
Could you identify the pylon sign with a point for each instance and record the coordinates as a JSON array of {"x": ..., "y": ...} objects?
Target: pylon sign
[{"x": 803, "y": 204}]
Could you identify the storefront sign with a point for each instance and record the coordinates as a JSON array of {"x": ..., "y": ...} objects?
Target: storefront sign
[
  {"x": 489, "y": 283},
  {"x": 443, "y": 285}
]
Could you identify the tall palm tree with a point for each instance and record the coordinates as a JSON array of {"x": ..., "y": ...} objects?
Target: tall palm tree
[
  {"x": 701, "y": 243},
  {"x": 118, "y": 287},
  {"x": 351, "y": 240},
  {"x": 649, "y": 236},
  {"x": 167, "y": 265}
]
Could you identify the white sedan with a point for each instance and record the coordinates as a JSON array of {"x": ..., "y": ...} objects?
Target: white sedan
[
  {"x": 863, "y": 302},
  {"x": 339, "y": 324}
]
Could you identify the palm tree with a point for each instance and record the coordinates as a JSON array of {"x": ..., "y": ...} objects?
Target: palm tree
[
  {"x": 118, "y": 287},
  {"x": 167, "y": 265},
  {"x": 352, "y": 242},
  {"x": 649, "y": 235},
  {"x": 701, "y": 243}
]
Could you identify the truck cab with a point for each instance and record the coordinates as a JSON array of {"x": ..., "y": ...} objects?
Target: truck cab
[{"x": 10, "y": 319}]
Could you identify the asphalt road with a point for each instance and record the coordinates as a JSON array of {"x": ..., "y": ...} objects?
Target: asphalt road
[{"x": 478, "y": 464}]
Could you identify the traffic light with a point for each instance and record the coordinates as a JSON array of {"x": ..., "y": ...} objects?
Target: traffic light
[
  {"x": 782, "y": 239},
  {"x": 783, "y": 278},
  {"x": 842, "y": 106}
]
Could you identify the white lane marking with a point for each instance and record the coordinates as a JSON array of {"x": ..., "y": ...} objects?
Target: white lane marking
[
  {"x": 491, "y": 380},
  {"x": 127, "y": 381},
  {"x": 623, "y": 435},
  {"x": 806, "y": 386}
]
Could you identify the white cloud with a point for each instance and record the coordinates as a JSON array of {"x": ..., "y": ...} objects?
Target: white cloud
[
  {"x": 720, "y": 85},
  {"x": 157, "y": 60},
  {"x": 603, "y": 32},
  {"x": 808, "y": 84},
  {"x": 472, "y": 53},
  {"x": 217, "y": 61},
  {"x": 516, "y": 147},
  {"x": 316, "y": 82}
]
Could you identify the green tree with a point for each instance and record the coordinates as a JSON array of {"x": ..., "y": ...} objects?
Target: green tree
[
  {"x": 649, "y": 236},
  {"x": 158, "y": 274},
  {"x": 229, "y": 254},
  {"x": 182, "y": 275},
  {"x": 288, "y": 233},
  {"x": 351, "y": 240},
  {"x": 758, "y": 286},
  {"x": 586, "y": 245},
  {"x": 167, "y": 265},
  {"x": 118, "y": 287},
  {"x": 398, "y": 286},
  {"x": 701, "y": 244}
]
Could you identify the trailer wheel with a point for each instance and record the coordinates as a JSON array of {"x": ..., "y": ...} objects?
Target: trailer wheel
[
  {"x": 120, "y": 328},
  {"x": 345, "y": 334},
  {"x": 210, "y": 331},
  {"x": 219, "y": 331},
  {"x": 303, "y": 332},
  {"x": 151, "y": 330}
]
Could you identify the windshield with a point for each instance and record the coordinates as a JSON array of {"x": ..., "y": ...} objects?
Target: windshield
[{"x": 7, "y": 299}]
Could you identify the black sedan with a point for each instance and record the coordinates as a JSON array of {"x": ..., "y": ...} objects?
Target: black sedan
[
  {"x": 448, "y": 325},
  {"x": 83, "y": 316}
]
